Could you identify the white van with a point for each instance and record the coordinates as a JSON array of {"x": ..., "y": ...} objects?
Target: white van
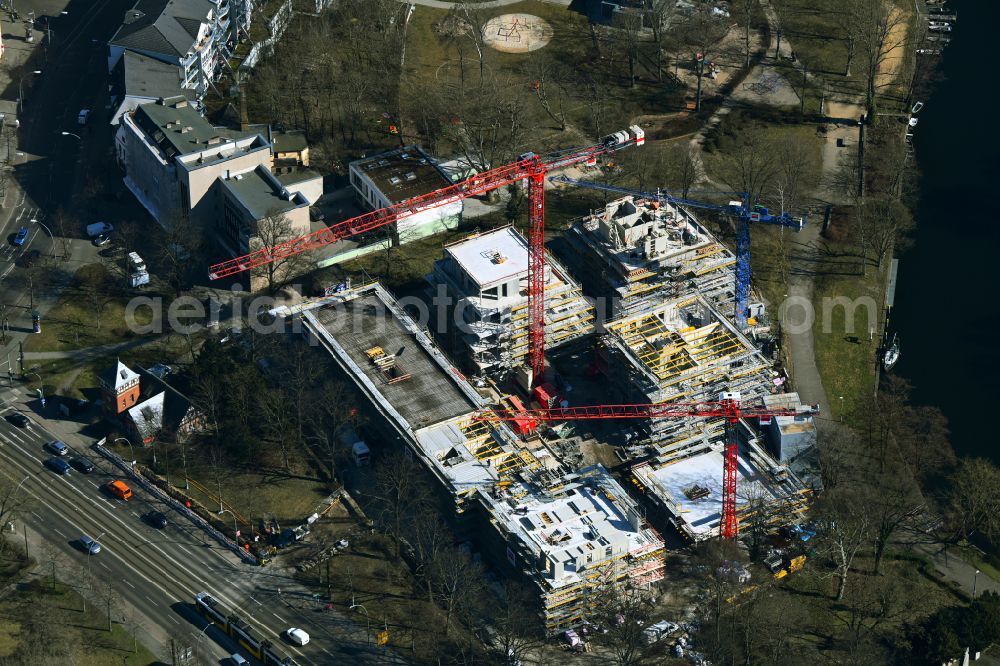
[{"x": 136, "y": 263}]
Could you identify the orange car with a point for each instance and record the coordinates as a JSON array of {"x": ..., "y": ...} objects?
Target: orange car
[{"x": 119, "y": 490}]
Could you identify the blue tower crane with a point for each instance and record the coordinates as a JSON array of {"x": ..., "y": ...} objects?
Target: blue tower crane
[{"x": 743, "y": 212}]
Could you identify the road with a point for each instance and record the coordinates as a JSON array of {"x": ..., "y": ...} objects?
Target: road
[{"x": 157, "y": 572}]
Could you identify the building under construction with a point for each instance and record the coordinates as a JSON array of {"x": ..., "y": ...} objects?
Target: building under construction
[
  {"x": 485, "y": 278},
  {"x": 684, "y": 350},
  {"x": 637, "y": 252},
  {"x": 564, "y": 531}
]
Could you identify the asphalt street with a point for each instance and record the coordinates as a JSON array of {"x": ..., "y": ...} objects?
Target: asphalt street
[{"x": 155, "y": 571}]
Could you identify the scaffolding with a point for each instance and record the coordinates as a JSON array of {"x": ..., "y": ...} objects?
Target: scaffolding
[
  {"x": 487, "y": 274},
  {"x": 636, "y": 252}
]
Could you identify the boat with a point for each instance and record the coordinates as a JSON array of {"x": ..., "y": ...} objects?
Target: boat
[{"x": 891, "y": 353}]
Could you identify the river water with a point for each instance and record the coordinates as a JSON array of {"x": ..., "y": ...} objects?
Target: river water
[{"x": 949, "y": 281}]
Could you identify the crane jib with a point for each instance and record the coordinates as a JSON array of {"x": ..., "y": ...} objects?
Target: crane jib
[{"x": 528, "y": 166}]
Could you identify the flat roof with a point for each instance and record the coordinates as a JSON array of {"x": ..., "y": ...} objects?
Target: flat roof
[
  {"x": 703, "y": 471},
  {"x": 496, "y": 256},
  {"x": 261, "y": 194},
  {"x": 402, "y": 173},
  {"x": 429, "y": 396}
]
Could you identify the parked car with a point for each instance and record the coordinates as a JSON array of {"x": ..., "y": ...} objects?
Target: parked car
[
  {"x": 89, "y": 545},
  {"x": 82, "y": 464},
  {"x": 81, "y": 118},
  {"x": 156, "y": 519},
  {"x": 21, "y": 237},
  {"x": 297, "y": 636},
  {"x": 28, "y": 259},
  {"x": 99, "y": 228},
  {"x": 19, "y": 419},
  {"x": 57, "y": 447},
  {"x": 101, "y": 240},
  {"x": 57, "y": 465}
]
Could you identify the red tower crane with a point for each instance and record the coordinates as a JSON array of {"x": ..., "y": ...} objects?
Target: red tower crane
[
  {"x": 529, "y": 166},
  {"x": 727, "y": 407}
]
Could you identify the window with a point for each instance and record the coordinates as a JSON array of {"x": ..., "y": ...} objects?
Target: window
[{"x": 490, "y": 294}]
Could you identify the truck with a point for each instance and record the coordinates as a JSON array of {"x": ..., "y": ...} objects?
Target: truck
[
  {"x": 137, "y": 273},
  {"x": 359, "y": 450}
]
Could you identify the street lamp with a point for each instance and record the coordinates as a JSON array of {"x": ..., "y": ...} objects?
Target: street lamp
[
  {"x": 41, "y": 386},
  {"x": 236, "y": 528},
  {"x": 368, "y": 628},
  {"x": 975, "y": 579},
  {"x": 48, "y": 231},
  {"x": 64, "y": 133},
  {"x": 20, "y": 90},
  {"x": 841, "y": 398},
  {"x": 123, "y": 439}
]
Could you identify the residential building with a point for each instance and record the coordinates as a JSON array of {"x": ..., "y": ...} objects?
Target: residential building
[
  {"x": 636, "y": 253},
  {"x": 563, "y": 532},
  {"x": 686, "y": 351},
  {"x": 400, "y": 175},
  {"x": 145, "y": 407},
  {"x": 139, "y": 79},
  {"x": 191, "y": 35},
  {"x": 173, "y": 157},
  {"x": 485, "y": 277},
  {"x": 250, "y": 197}
]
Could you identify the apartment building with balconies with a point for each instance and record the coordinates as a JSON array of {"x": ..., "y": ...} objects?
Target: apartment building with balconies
[{"x": 192, "y": 35}]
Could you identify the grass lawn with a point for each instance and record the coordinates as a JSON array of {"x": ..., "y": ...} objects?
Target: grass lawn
[
  {"x": 975, "y": 557},
  {"x": 368, "y": 575},
  {"x": 845, "y": 355},
  {"x": 909, "y": 593},
  {"x": 431, "y": 58},
  {"x": 73, "y": 322},
  {"x": 84, "y": 634},
  {"x": 403, "y": 268},
  {"x": 812, "y": 27}
]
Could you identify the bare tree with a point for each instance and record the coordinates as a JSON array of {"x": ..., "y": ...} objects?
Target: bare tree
[
  {"x": 681, "y": 168},
  {"x": 400, "y": 492},
  {"x": 13, "y": 501},
  {"x": 702, "y": 32},
  {"x": 845, "y": 533},
  {"x": 750, "y": 165},
  {"x": 625, "y": 612},
  {"x": 428, "y": 537},
  {"x": 180, "y": 244},
  {"x": 515, "y": 621},
  {"x": 974, "y": 500},
  {"x": 458, "y": 585},
  {"x": 745, "y": 9},
  {"x": 95, "y": 286},
  {"x": 549, "y": 79},
  {"x": 661, "y": 15},
  {"x": 876, "y": 29},
  {"x": 274, "y": 229},
  {"x": 628, "y": 31},
  {"x": 881, "y": 223}
]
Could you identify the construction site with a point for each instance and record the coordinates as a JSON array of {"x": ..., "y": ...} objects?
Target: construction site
[
  {"x": 486, "y": 279},
  {"x": 565, "y": 531},
  {"x": 636, "y": 252},
  {"x": 711, "y": 439}
]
